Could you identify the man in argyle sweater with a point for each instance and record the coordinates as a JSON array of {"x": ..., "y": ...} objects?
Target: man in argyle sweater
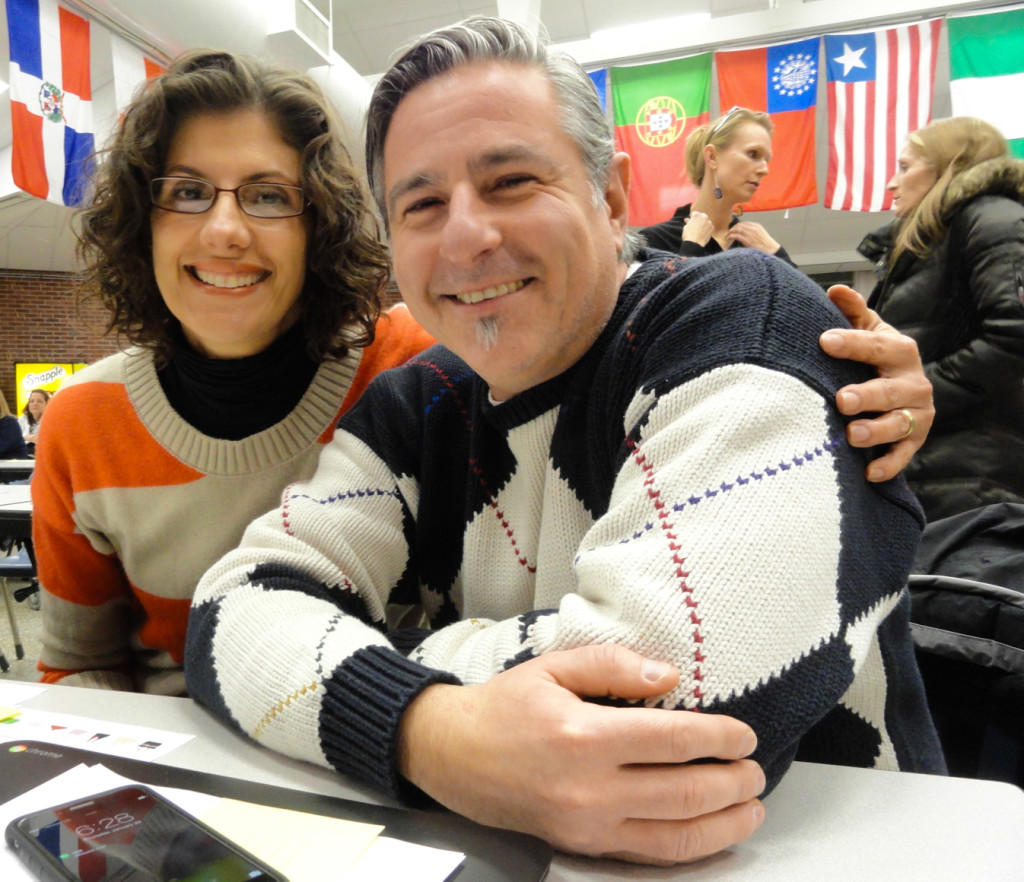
[{"x": 621, "y": 489}]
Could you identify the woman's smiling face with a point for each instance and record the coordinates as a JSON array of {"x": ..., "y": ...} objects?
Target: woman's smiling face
[{"x": 232, "y": 280}]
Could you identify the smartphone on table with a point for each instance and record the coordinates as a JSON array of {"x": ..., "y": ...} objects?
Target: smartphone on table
[{"x": 129, "y": 834}]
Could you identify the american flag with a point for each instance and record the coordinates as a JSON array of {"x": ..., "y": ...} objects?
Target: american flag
[{"x": 879, "y": 91}]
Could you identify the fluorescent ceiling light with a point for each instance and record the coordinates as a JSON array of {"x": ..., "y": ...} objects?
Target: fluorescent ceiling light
[{"x": 643, "y": 30}]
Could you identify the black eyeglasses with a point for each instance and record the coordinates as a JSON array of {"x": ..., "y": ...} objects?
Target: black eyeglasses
[{"x": 257, "y": 199}]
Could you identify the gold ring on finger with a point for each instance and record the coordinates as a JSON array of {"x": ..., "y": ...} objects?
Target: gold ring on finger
[{"x": 911, "y": 423}]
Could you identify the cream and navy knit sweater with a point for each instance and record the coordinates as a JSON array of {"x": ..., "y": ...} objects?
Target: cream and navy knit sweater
[{"x": 684, "y": 490}]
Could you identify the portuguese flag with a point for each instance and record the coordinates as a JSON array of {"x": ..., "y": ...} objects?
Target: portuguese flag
[{"x": 656, "y": 106}]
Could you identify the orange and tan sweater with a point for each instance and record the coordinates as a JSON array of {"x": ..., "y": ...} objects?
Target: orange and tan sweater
[{"x": 131, "y": 505}]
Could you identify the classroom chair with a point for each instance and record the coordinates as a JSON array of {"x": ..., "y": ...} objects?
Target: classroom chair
[{"x": 17, "y": 565}]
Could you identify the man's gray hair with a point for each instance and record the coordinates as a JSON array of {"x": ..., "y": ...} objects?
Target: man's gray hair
[{"x": 492, "y": 39}]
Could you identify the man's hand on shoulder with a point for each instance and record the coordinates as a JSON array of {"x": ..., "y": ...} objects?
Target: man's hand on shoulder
[
  {"x": 901, "y": 394},
  {"x": 524, "y": 752}
]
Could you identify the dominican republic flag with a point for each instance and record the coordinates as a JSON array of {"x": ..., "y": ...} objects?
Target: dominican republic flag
[
  {"x": 879, "y": 91},
  {"x": 51, "y": 100},
  {"x": 782, "y": 81}
]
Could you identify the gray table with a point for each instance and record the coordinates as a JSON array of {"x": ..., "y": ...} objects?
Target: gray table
[
  {"x": 823, "y": 822},
  {"x": 15, "y": 469},
  {"x": 15, "y": 510}
]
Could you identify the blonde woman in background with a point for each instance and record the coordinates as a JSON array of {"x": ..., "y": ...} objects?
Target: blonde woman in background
[
  {"x": 726, "y": 159},
  {"x": 951, "y": 268}
]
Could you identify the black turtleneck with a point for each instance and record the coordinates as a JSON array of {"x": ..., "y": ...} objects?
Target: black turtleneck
[{"x": 237, "y": 397}]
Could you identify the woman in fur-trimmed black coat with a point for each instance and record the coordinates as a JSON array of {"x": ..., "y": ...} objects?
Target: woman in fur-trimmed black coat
[{"x": 952, "y": 277}]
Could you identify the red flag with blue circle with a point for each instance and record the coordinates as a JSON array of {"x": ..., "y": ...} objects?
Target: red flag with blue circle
[{"x": 781, "y": 80}]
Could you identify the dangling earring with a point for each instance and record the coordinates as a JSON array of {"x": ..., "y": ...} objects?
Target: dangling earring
[{"x": 718, "y": 190}]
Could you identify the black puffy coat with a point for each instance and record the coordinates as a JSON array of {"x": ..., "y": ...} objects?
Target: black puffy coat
[{"x": 963, "y": 302}]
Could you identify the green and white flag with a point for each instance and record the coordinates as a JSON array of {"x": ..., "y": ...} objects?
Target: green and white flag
[{"x": 986, "y": 71}]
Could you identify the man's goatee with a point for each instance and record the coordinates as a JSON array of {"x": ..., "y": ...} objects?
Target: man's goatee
[{"x": 487, "y": 332}]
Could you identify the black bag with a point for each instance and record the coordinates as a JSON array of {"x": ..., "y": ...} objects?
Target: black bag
[{"x": 969, "y": 638}]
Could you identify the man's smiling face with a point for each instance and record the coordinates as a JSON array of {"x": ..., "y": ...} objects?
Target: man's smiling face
[{"x": 500, "y": 248}]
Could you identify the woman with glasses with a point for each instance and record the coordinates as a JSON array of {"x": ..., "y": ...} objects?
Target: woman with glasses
[
  {"x": 951, "y": 266},
  {"x": 726, "y": 160},
  {"x": 229, "y": 236}
]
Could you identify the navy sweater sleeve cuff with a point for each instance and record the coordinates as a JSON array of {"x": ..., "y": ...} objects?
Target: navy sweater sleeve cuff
[{"x": 362, "y": 710}]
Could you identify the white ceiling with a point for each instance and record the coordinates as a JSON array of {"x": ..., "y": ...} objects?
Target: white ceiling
[
  {"x": 367, "y": 32},
  {"x": 35, "y": 235}
]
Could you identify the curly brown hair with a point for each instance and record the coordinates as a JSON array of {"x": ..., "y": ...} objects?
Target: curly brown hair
[{"x": 346, "y": 262}]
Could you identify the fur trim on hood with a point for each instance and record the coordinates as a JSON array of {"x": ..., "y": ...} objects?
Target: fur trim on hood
[{"x": 994, "y": 177}]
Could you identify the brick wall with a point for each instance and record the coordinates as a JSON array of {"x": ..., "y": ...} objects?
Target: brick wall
[{"x": 41, "y": 319}]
